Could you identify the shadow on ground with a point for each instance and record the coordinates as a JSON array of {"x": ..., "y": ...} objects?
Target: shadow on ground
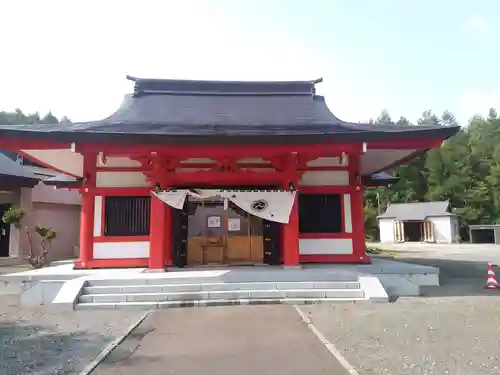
[
  {"x": 41, "y": 350},
  {"x": 458, "y": 278}
]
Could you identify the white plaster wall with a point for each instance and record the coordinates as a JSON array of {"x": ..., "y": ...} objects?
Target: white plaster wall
[
  {"x": 325, "y": 178},
  {"x": 113, "y": 161},
  {"x": 347, "y": 213},
  {"x": 121, "y": 250},
  {"x": 442, "y": 228},
  {"x": 386, "y": 230},
  {"x": 325, "y": 246},
  {"x": 98, "y": 207},
  {"x": 121, "y": 179},
  {"x": 326, "y": 162}
]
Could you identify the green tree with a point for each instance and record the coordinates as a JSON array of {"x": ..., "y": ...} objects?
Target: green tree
[{"x": 465, "y": 171}]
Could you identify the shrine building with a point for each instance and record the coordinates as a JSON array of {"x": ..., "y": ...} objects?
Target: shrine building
[{"x": 211, "y": 172}]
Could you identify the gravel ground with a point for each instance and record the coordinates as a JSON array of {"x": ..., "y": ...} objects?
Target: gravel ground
[
  {"x": 416, "y": 336},
  {"x": 43, "y": 341}
]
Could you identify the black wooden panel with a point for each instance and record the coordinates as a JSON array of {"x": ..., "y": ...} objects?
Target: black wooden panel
[
  {"x": 270, "y": 232},
  {"x": 179, "y": 237},
  {"x": 320, "y": 213},
  {"x": 126, "y": 216}
]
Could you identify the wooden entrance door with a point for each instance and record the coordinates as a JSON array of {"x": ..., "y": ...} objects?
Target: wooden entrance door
[
  {"x": 223, "y": 235},
  {"x": 244, "y": 241}
]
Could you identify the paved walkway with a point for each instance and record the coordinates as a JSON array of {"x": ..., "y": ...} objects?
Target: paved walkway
[{"x": 242, "y": 340}]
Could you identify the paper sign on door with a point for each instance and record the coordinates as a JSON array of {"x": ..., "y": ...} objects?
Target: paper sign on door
[
  {"x": 233, "y": 224},
  {"x": 213, "y": 222}
]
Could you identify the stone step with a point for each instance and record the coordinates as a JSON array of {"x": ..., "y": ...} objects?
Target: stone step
[
  {"x": 222, "y": 294},
  {"x": 213, "y": 302},
  {"x": 184, "y": 278},
  {"x": 173, "y": 288}
]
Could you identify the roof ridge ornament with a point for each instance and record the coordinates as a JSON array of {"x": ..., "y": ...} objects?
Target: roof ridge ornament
[{"x": 156, "y": 86}]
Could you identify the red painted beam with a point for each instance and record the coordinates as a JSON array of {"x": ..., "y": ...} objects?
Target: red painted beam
[
  {"x": 239, "y": 166},
  {"x": 191, "y": 181},
  {"x": 121, "y": 239},
  {"x": 221, "y": 151},
  {"x": 326, "y": 189},
  {"x": 325, "y": 235},
  {"x": 333, "y": 258},
  {"x": 116, "y": 263},
  {"x": 122, "y": 191},
  {"x": 123, "y": 169},
  {"x": 217, "y": 178}
]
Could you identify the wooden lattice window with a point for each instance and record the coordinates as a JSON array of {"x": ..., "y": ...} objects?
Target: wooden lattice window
[
  {"x": 320, "y": 213},
  {"x": 126, "y": 216}
]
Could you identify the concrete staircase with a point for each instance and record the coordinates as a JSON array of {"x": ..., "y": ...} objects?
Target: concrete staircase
[{"x": 166, "y": 293}]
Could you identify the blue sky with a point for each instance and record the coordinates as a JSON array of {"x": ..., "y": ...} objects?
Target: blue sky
[{"x": 406, "y": 56}]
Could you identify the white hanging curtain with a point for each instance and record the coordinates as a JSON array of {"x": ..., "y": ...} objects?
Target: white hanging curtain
[
  {"x": 174, "y": 199},
  {"x": 272, "y": 205}
]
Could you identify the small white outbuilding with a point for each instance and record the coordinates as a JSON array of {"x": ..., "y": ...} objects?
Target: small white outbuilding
[{"x": 419, "y": 222}]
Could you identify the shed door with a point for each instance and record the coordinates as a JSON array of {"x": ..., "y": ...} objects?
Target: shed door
[
  {"x": 399, "y": 231},
  {"x": 428, "y": 231}
]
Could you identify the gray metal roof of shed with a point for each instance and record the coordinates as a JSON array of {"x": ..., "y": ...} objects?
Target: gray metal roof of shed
[
  {"x": 484, "y": 226},
  {"x": 13, "y": 174},
  {"x": 416, "y": 211}
]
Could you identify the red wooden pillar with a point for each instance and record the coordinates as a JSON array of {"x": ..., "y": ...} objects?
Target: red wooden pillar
[
  {"x": 87, "y": 211},
  {"x": 157, "y": 234},
  {"x": 290, "y": 231},
  {"x": 160, "y": 237},
  {"x": 290, "y": 239},
  {"x": 357, "y": 210}
]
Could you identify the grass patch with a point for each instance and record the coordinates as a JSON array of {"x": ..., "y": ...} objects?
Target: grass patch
[
  {"x": 378, "y": 251},
  {"x": 374, "y": 250}
]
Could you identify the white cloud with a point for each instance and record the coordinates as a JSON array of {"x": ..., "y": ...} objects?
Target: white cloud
[
  {"x": 482, "y": 28},
  {"x": 479, "y": 103}
]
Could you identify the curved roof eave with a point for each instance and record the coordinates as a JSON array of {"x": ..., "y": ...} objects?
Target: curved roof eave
[
  {"x": 207, "y": 112},
  {"x": 209, "y": 135}
]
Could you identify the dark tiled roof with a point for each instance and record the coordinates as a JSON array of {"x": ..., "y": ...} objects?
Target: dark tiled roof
[
  {"x": 380, "y": 179},
  {"x": 178, "y": 111},
  {"x": 416, "y": 211},
  {"x": 13, "y": 174},
  {"x": 145, "y": 86},
  {"x": 63, "y": 180}
]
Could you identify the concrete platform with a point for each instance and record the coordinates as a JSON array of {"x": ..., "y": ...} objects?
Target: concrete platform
[
  {"x": 313, "y": 272},
  {"x": 63, "y": 286}
]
